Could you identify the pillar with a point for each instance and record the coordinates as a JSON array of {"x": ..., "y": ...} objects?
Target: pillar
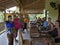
[
  {"x": 20, "y": 38},
  {"x": 46, "y": 14},
  {"x": 59, "y": 12},
  {"x": 4, "y": 15}
]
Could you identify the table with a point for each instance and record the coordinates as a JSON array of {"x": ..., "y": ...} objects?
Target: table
[{"x": 46, "y": 35}]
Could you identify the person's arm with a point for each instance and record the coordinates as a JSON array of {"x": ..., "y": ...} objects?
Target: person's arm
[{"x": 52, "y": 27}]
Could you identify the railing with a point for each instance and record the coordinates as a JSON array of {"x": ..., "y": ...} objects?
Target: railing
[
  {"x": 2, "y": 26},
  {"x": 2, "y": 32}
]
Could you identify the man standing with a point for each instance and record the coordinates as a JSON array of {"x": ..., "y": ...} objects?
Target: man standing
[{"x": 9, "y": 27}]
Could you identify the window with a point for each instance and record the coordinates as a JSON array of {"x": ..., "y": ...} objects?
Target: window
[
  {"x": 40, "y": 15},
  {"x": 33, "y": 17}
]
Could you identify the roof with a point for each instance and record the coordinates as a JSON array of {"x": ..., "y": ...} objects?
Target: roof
[{"x": 25, "y": 4}]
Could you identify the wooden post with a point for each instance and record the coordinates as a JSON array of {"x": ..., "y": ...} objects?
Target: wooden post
[
  {"x": 20, "y": 38},
  {"x": 59, "y": 12},
  {"x": 4, "y": 15},
  {"x": 46, "y": 14}
]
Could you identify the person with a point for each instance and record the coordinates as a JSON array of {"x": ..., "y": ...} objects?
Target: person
[
  {"x": 39, "y": 21},
  {"x": 56, "y": 32},
  {"x": 45, "y": 23},
  {"x": 9, "y": 27},
  {"x": 17, "y": 25},
  {"x": 22, "y": 23},
  {"x": 42, "y": 20},
  {"x": 57, "y": 25},
  {"x": 25, "y": 24},
  {"x": 50, "y": 25}
]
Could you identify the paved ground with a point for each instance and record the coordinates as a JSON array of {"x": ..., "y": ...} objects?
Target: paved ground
[{"x": 4, "y": 40}]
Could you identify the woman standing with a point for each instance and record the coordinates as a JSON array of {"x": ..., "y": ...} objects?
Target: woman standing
[
  {"x": 25, "y": 24},
  {"x": 17, "y": 25},
  {"x": 9, "y": 26}
]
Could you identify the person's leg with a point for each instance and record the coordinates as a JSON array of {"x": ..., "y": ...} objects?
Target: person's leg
[
  {"x": 15, "y": 34},
  {"x": 25, "y": 25},
  {"x": 10, "y": 39}
]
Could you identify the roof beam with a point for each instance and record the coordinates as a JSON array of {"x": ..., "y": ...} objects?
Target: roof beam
[
  {"x": 20, "y": 6},
  {"x": 32, "y": 3},
  {"x": 8, "y": 4},
  {"x": 3, "y": 1},
  {"x": 19, "y": 3}
]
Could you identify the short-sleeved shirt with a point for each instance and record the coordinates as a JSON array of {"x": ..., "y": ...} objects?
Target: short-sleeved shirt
[
  {"x": 17, "y": 24},
  {"x": 21, "y": 21},
  {"x": 9, "y": 26},
  {"x": 45, "y": 24}
]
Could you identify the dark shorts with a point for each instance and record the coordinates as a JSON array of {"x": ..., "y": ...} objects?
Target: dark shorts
[
  {"x": 25, "y": 26},
  {"x": 9, "y": 31},
  {"x": 16, "y": 32}
]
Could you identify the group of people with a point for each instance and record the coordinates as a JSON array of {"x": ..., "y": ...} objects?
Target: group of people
[
  {"x": 12, "y": 27},
  {"x": 52, "y": 28},
  {"x": 47, "y": 25}
]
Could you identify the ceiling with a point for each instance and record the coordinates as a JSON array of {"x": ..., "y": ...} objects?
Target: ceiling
[
  {"x": 24, "y": 4},
  {"x": 4, "y": 4}
]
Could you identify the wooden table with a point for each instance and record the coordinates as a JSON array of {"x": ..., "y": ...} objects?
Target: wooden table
[{"x": 46, "y": 35}]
